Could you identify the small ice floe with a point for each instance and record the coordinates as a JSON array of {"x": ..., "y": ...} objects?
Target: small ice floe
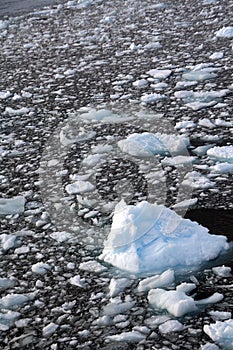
[
  {"x": 79, "y": 187},
  {"x": 217, "y": 55},
  {"x": 104, "y": 115},
  {"x": 178, "y": 161},
  {"x": 225, "y": 32},
  {"x": 41, "y": 268},
  {"x": 61, "y": 236},
  {"x": 196, "y": 180},
  {"x": 92, "y": 266},
  {"x": 7, "y": 320},
  {"x": 221, "y": 332},
  {"x": 152, "y": 238},
  {"x": 209, "y": 346},
  {"x": 221, "y": 153},
  {"x": 220, "y": 315},
  {"x": 148, "y": 144},
  {"x": 140, "y": 83},
  {"x": 118, "y": 285},
  {"x": 49, "y": 329},
  {"x": 222, "y": 271},
  {"x": 171, "y": 326},
  {"x": 128, "y": 337},
  {"x": 14, "y": 301},
  {"x": 199, "y": 75},
  {"x": 222, "y": 168},
  {"x": 8, "y": 241},
  {"x": 189, "y": 124},
  {"x": 151, "y": 98},
  {"x": 154, "y": 45},
  {"x": 4, "y": 24},
  {"x": 78, "y": 281},
  {"x": 186, "y": 203},
  {"x": 6, "y": 283},
  {"x": 160, "y": 73},
  {"x": 21, "y": 111},
  {"x": 4, "y": 95},
  {"x": 117, "y": 306},
  {"x": 10, "y": 206},
  {"x": 157, "y": 281}
]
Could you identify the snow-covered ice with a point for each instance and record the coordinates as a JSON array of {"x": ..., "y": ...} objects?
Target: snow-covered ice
[
  {"x": 221, "y": 332},
  {"x": 149, "y": 238}
]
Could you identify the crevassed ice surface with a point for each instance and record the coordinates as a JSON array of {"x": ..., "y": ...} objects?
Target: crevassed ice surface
[{"x": 149, "y": 237}]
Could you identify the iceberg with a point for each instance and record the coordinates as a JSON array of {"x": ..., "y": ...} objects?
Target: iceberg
[{"x": 149, "y": 238}]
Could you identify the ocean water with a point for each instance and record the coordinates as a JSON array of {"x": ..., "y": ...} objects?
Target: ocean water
[{"x": 17, "y": 7}]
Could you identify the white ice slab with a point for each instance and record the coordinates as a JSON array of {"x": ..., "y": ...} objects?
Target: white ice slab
[
  {"x": 10, "y": 206},
  {"x": 221, "y": 332},
  {"x": 221, "y": 153},
  {"x": 152, "y": 238}
]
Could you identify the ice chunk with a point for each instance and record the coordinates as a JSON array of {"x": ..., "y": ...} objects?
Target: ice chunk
[
  {"x": 152, "y": 238},
  {"x": 225, "y": 32},
  {"x": 157, "y": 281},
  {"x": 7, "y": 283},
  {"x": 222, "y": 271},
  {"x": 10, "y": 206},
  {"x": 199, "y": 75},
  {"x": 49, "y": 329},
  {"x": 160, "y": 73},
  {"x": 140, "y": 83},
  {"x": 12, "y": 301},
  {"x": 62, "y": 236},
  {"x": 20, "y": 111},
  {"x": 186, "y": 203},
  {"x": 116, "y": 306},
  {"x": 128, "y": 337},
  {"x": 221, "y": 332},
  {"x": 223, "y": 168},
  {"x": 221, "y": 153},
  {"x": 215, "y": 298},
  {"x": 7, "y": 319},
  {"x": 148, "y": 144},
  {"x": 92, "y": 266},
  {"x": 4, "y": 24},
  {"x": 7, "y": 241},
  {"x": 220, "y": 315},
  {"x": 41, "y": 268},
  {"x": 79, "y": 187},
  {"x": 217, "y": 55},
  {"x": 177, "y": 303},
  {"x": 4, "y": 95},
  {"x": 151, "y": 98},
  {"x": 77, "y": 281},
  {"x": 104, "y": 115},
  {"x": 117, "y": 286},
  {"x": 171, "y": 326},
  {"x": 210, "y": 346},
  {"x": 196, "y": 180}
]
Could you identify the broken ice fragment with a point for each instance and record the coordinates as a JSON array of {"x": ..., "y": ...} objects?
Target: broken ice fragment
[{"x": 10, "y": 206}]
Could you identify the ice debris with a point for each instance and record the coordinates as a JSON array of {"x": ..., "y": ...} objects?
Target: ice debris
[
  {"x": 152, "y": 238},
  {"x": 225, "y": 32},
  {"x": 221, "y": 153}
]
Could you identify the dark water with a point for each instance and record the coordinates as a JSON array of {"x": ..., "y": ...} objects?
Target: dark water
[{"x": 17, "y": 7}]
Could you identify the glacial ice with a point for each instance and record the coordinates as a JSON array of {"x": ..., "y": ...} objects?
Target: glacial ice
[
  {"x": 221, "y": 332},
  {"x": 148, "y": 238}
]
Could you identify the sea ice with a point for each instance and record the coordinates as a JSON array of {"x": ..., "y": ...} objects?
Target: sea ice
[
  {"x": 4, "y": 24},
  {"x": 151, "y": 98},
  {"x": 77, "y": 281},
  {"x": 92, "y": 266},
  {"x": 41, "y": 268},
  {"x": 7, "y": 319},
  {"x": 12, "y": 301},
  {"x": 209, "y": 346},
  {"x": 160, "y": 73},
  {"x": 221, "y": 332},
  {"x": 221, "y": 153},
  {"x": 10, "y": 206},
  {"x": 148, "y": 144},
  {"x": 220, "y": 315},
  {"x": 222, "y": 271},
  {"x": 101, "y": 115},
  {"x": 49, "y": 329},
  {"x": 7, "y": 241},
  {"x": 196, "y": 180},
  {"x": 225, "y": 32},
  {"x": 152, "y": 238},
  {"x": 199, "y": 75},
  {"x": 128, "y": 337},
  {"x": 117, "y": 306},
  {"x": 79, "y": 187},
  {"x": 20, "y": 111},
  {"x": 118, "y": 285}
]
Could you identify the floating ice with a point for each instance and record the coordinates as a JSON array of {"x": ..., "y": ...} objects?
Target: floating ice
[
  {"x": 62, "y": 236},
  {"x": 221, "y": 332},
  {"x": 220, "y": 315},
  {"x": 221, "y": 153},
  {"x": 4, "y": 95},
  {"x": 12, "y": 301},
  {"x": 225, "y": 32},
  {"x": 151, "y": 98},
  {"x": 128, "y": 337},
  {"x": 7, "y": 283},
  {"x": 103, "y": 115},
  {"x": 78, "y": 281},
  {"x": 20, "y": 111},
  {"x": 140, "y": 83},
  {"x": 41, "y": 268},
  {"x": 3, "y": 24},
  {"x": 196, "y": 180},
  {"x": 7, "y": 319},
  {"x": 79, "y": 187},
  {"x": 10, "y": 206},
  {"x": 171, "y": 326},
  {"x": 222, "y": 271},
  {"x": 117, "y": 286},
  {"x": 49, "y": 329},
  {"x": 92, "y": 266},
  {"x": 157, "y": 281},
  {"x": 117, "y": 306},
  {"x": 186, "y": 203},
  {"x": 152, "y": 238},
  {"x": 177, "y": 303},
  {"x": 147, "y": 144},
  {"x": 209, "y": 346},
  {"x": 7, "y": 241},
  {"x": 160, "y": 73},
  {"x": 199, "y": 75},
  {"x": 216, "y": 55}
]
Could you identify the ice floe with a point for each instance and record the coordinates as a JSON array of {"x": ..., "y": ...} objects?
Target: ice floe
[
  {"x": 128, "y": 337},
  {"x": 157, "y": 281},
  {"x": 10, "y": 206},
  {"x": 221, "y": 153},
  {"x": 171, "y": 326},
  {"x": 225, "y": 32},
  {"x": 149, "y": 238},
  {"x": 221, "y": 332},
  {"x": 148, "y": 144},
  {"x": 160, "y": 73},
  {"x": 41, "y": 268}
]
